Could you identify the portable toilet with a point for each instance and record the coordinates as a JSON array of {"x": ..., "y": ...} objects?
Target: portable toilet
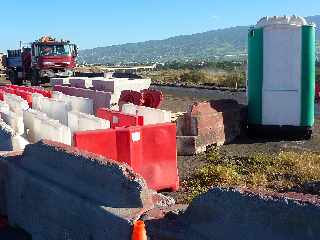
[{"x": 281, "y": 74}]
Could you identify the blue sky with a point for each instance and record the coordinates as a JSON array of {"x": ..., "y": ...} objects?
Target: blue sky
[{"x": 93, "y": 23}]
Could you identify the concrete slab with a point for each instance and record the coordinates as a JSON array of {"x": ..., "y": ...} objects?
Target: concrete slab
[
  {"x": 59, "y": 81},
  {"x": 57, "y": 193},
  {"x": 150, "y": 115}
]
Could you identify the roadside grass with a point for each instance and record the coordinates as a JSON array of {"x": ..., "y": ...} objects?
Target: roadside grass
[
  {"x": 232, "y": 79},
  {"x": 280, "y": 172}
]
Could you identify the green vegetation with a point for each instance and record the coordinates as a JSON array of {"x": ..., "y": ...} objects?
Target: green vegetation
[
  {"x": 222, "y": 74},
  {"x": 221, "y": 44},
  {"x": 278, "y": 172}
]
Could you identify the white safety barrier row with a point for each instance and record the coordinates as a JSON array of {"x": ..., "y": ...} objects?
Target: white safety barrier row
[
  {"x": 9, "y": 139},
  {"x": 59, "y": 81},
  {"x": 78, "y": 104},
  {"x": 78, "y": 121},
  {"x": 55, "y": 109},
  {"x": 80, "y": 82},
  {"x": 150, "y": 115},
  {"x": 4, "y": 107},
  {"x": 14, "y": 120},
  {"x": 117, "y": 85},
  {"x": 16, "y": 103},
  {"x": 39, "y": 127}
]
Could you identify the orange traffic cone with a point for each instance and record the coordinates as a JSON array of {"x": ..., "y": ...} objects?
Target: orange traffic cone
[{"x": 139, "y": 231}]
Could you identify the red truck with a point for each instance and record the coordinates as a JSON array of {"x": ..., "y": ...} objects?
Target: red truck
[{"x": 44, "y": 59}]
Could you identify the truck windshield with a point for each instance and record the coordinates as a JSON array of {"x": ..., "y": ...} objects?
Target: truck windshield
[{"x": 54, "y": 50}]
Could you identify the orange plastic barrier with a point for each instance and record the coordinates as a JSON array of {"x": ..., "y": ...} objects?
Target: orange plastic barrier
[
  {"x": 152, "y": 98},
  {"x": 149, "y": 150},
  {"x": 119, "y": 119}
]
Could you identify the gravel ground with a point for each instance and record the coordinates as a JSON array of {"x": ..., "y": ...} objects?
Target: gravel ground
[{"x": 177, "y": 100}]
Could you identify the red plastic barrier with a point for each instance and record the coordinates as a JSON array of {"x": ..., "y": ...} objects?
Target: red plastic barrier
[
  {"x": 8, "y": 90},
  {"x": 152, "y": 98},
  {"x": 318, "y": 91},
  {"x": 101, "y": 142},
  {"x": 25, "y": 95},
  {"x": 14, "y": 88},
  {"x": 129, "y": 96},
  {"x": 149, "y": 150},
  {"x": 119, "y": 119},
  {"x": 1, "y": 95}
]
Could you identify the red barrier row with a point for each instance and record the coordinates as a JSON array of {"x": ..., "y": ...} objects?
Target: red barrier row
[
  {"x": 149, "y": 150},
  {"x": 119, "y": 119},
  {"x": 147, "y": 98},
  {"x": 152, "y": 98},
  {"x": 1, "y": 95},
  {"x": 129, "y": 96},
  {"x": 45, "y": 93},
  {"x": 24, "y": 92}
]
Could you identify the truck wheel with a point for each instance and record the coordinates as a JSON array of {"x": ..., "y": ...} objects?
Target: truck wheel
[{"x": 35, "y": 78}]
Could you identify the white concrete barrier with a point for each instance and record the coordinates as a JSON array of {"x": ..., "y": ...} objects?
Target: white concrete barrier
[
  {"x": 117, "y": 85},
  {"x": 9, "y": 139},
  {"x": 16, "y": 103},
  {"x": 80, "y": 82},
  {"x": 14, "y": 120},
  {"x": 78, "y": 104},
  {"x": 4, "y": 107},
  {"x": 150, "y": 115},
  {"x": 41, "y": 127},
  {"x": 59, "y": 81},
  {"x": 29, "y": 125},
  {"x": 55, "y": 109},
  {"x": 78, "y": 121}
]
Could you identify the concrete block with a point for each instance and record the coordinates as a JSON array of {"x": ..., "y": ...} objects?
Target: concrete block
[
  {"x": 29, "y": 118},
  {"x": 16, "y": 103},
  {"x": 59, "y": 193},
  {"x": 78, "y": 104},
  {"x": 4, "y": 107},
  {"x": 80, "y": 82},
  {"x": 117, "y": 85},
  {"x": 14, "y": 120},
  {"x": 150, "y": 115},
  {"x": 82, "y": 122},
  {"x": 48, "y": 129},
  {"x": 59, "y": 81},
  {"x": 209, "y": 123},
  {"x": 9, "y": 139},
  {"x": 54, "y": 108},
  {"x": 242, "y": 214},
  {"x": 100, "y": 99}
]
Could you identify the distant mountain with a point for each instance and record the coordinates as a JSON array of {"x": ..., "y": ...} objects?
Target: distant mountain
[{"x": 213, "y": 44}]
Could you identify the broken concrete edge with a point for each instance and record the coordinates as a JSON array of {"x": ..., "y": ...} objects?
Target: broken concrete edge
[
  {"x": 150, "y": 197},
  {"x": 277, "y": 215}
]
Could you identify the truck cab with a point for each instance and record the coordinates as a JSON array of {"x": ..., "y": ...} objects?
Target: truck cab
[
  {"x": 52, "y": 59},
  {"x": 42, "y": 60}
]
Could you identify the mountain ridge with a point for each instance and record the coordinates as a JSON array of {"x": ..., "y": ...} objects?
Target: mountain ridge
[{"x": 209, "y": 45}]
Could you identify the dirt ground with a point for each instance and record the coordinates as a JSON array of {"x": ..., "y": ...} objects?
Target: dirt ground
[{"x": 177, "y": 100}]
